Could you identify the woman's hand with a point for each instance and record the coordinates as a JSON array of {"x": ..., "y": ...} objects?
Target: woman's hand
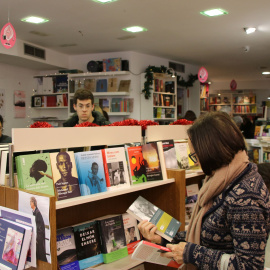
[
  {"x": 177, "y": 252},
  {"x": 148, "y": 230}
]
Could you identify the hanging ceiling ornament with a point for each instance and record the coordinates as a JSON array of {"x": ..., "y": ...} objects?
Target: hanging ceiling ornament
[{"x": 8, "y": 36}]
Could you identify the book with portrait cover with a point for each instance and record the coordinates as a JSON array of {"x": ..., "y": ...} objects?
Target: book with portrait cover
[
  {"x": 131, "y": 231},
  {"x": 142, "y": 209},
  {"x": 14, "y": 244},
  {"x": 35, "y": 173},
  {"x": 155, "y": 168},
  {"x": 150, "y": 252},
  {"x": 91, "y": 172},
  {"x": 115, "y": 168},
  {"x": 66, "y": 249},
  {"x": 112, "y": 236},
  {"x": 137, "y": 164},
  {"x": 168, "y": 149},
  {"x": 65, "y": 175},
  {"x": 88, "y": 244}
]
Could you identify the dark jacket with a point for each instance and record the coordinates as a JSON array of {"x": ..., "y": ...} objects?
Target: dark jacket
[
  {"x": 99, "y": 119},
  {"x": 5, "y": 139}
]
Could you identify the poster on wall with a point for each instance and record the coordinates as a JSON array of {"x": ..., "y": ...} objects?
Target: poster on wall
[
  {"x": 19, "y": 104},
  {"x": 2, "y": 102}
]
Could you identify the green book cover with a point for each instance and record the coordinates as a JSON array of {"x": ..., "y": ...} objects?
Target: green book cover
[{"x": 35, "y": 173}]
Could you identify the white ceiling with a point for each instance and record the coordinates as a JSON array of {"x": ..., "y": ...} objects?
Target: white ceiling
[{"x": 176, "y": 31}]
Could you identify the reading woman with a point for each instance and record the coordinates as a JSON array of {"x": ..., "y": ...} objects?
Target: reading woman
[{"x": 230, "y": 222}]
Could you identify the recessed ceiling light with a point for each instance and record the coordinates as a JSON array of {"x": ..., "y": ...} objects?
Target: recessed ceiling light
[
  {"x": 214, "y": 12},
  {"x": 33, "y": 19},
  {"x": 104, "y": 1},
  {"x": 134, "y": 29},
  {"x": 266, "y": 73},
  {"x": 250, "y": 30}
]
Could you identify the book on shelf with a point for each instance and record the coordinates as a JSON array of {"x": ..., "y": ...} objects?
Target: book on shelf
[
  {"x": 48, "y": 86},
  {"x": 104, "y": 104},
  {"x": 155, "y": 166},
  {"x": 181, "y": 149},
  {"x": 66, "y": 249},
  {"x": 115, "y": 168},
  {"x": 90, "y": 84},
  {"x": 266, "y": 156},
  {"x": 169, "y": 87},
  {"x": 132, "y": 233},
  {"x": 91, "y": 172},
  {"x": 60, "y": 84},
  {"x": 116, "y": 105},
  {"x": 112, "y": 85},
  {"x": 150, "y": 252},
  {"x": 59, "y": 101},
  {"x": 101, "y": 85},
  {"x": 124, "y": 86},
  {"x": 156, "y": 85},
  {"x": 50, "y": 101},
  {"x": 112, "y": 64},
  {"x": 3, "y": 166},
  {"x": 88, "y": 245},
  {"x": 35, "y": 173},
  {"x": 14, "y": 245},
  {"x": 142, "y": 209},
  {"x": 137, "y": 164},
  {"x": 112, "y": 235},
  {"x": 167, "y": 149},
  {"x": 65, "y": 175}
]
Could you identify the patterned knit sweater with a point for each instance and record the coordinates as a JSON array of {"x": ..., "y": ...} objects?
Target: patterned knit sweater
[{"x": 238, "y": 223}]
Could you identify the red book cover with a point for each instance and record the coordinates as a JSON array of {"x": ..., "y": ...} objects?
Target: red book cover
[
  {"x": 106, "y": 171},
  {"x": 65, "y": 99},
  {"x": 51, "y": 101}
]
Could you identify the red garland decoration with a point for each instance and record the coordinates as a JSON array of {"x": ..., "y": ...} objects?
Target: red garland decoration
[
  {"x": 182, "y": 122},
  {"x": 145, "y": 123},
  {"x": 41, "y": 125},
  {"x": 87, "y": 124}
]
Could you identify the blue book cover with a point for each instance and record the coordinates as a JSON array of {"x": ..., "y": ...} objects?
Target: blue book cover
[
  {"x": 87, "y": 244},
  {"x": 101, "y": 85},
  {"x": 66, "y": 249},
  {"x": 91, "y": 172}
]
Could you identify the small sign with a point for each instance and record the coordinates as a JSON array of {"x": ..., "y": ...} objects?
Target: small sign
[
  {"x": 8, "y": 36},
  {"x": 202, "y": 75},
  {"x": 233, "y": 85}
]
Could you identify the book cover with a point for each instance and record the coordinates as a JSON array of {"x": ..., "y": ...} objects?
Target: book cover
[
  {"x": 51, "y": 101},
  {"x": 113, "y": 240},
  {"x": 181, "y": 150},
  {"x": 124, "y": 86},
  {"x": 65, "y": 175},
  {"x": 88, "y": 244},
  {"x": 169, "y": 154},
  {"x": 66, "y": 249},
  {"x": 153, "y": 166},
  {"x": 14, "y": 244},
  {"x": 136, "y": 163},
  {"x": 4, "y": 166},
  {"x": 90, "y": 84},
  {"x": 142, "y": 209},
  {"x": 132, "y": 233},
  {"x": 101, "y": 85},
  {"x": 61, "y": 84},
  {"x": 35, "y": 173},
  {"x": 192, "y": 192},
  {"x": 59, "y": 101},
  {"x": 104, "y": 103},
  {"x": 115, "y": 167},
  {"x": 112, "y": 64},
  {"x": 112, "y": 85},
  {"x": 150, "y": 252},
  {"x": 91, "y": 172},
  {"x": 116, "y": 104}
]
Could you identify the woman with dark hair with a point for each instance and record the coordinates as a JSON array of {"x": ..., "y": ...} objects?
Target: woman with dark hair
[
  {"x": 230, "y": 222},
  {"x": 190, "y": 115}
]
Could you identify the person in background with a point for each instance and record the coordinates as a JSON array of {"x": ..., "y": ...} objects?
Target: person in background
[
  {"x": 238, "y": 120},
  {"x": 3, "y": 138},
  {"x": 190, "y": 115},
  {"x": 230, "y": 223},
  {"x": 83, "y": 104},
  {"x": 247, "y": 128}
]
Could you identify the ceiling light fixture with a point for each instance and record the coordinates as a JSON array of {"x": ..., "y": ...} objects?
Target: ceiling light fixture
[
  {"x": 104, "y": 1},
  {"x": 266, "y": 73},
  {"x": 33, "y": 19},
  {"x": 214, "y": 12},
  {"x": 249, "y": 30},
  {"x": 134, "y": 29}
]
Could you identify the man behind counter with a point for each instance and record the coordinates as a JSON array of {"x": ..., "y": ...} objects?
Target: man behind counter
[{"x": 3, "y": 138}]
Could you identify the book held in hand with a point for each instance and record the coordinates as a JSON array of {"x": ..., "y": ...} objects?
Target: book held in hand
[
  {"x": 150, "y": 252},
  {"x": 142, "y": 209}
]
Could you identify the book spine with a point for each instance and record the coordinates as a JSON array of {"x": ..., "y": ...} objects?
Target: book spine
[
  {"x": 106, "y": 171},
  {"x": 19, "y": 171},
  {"x": 162, "y": 160}
]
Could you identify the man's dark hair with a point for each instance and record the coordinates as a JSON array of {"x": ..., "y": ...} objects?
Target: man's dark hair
[
  {"x": 215, "y": 139},
  {"x": 1, "y": 120},
  {"x": 190, "y": 115},
  {"x": 83, "y": 94},
  {"x": 63, "y": 154}
]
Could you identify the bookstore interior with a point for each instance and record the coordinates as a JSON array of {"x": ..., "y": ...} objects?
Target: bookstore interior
[{"x": 71, "y": 196}]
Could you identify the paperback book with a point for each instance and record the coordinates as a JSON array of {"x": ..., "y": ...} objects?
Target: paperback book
[
  {"x": 65, "y": 175},
  {"x": 181, "y": 150},
  {"x": 150, "y": 252},
  {"x": 192, "y": 192},
  {"x": 168, "y": 150},
  {"x": 88, "y": 244},
  {"x": 66, "y": 249},
  {"x": 112, "y": 85},
  {"x": 90, "y": 84},
  {"x": 115, "y": 167},
  {"x": 35, "y": 173},
  {"x": 113, "y": 240},
  {"x": 91, "y": 172},
  {"x": 142, "y": 209},
  {"x": 137, "y": 165},
  {"x": 101, "y": 85}
]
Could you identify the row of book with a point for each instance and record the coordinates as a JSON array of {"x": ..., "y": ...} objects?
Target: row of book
[
  {"x": 163, "y": 100},
  {"x": 100, "y": 85},
  {"x": 68, "y": 175},
  {"x": 219, "y": 100},
  {"x": 164, "y": 86},
  {"x": 60, "y": 100},
  {"x": 245, "y": 99},
  {"x": 164, "y": 112},
  {"x": 54, "y": 84},
  {"x": 245, "y": 109},
  {"x": 115, "y": 104}
]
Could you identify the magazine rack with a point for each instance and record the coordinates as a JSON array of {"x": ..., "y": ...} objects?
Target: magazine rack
[{"x": 169, "y": 194}]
